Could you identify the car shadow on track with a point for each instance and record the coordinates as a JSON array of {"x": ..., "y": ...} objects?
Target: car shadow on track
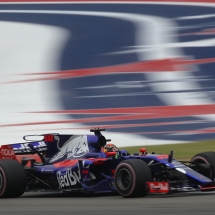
[
  {"x": 65, "y": 195},
  {"x": 84, "y": 195},
  {"x": 181, "y": 194}
]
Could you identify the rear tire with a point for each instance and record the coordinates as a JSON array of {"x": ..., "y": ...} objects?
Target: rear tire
[
  {"x": 13, "y": 179},
  {"x": 206, "y": 158},
  {"x": 131, "y": 177}
]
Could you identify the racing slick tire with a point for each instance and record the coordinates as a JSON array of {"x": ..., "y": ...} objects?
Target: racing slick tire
[
  {"x": 131, "y": 177},
  {"x": 206, "y": 158},
  {"x": 13, "y": 180}
]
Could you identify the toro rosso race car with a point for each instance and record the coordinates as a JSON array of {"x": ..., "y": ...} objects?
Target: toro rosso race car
[{"x": 89, "y": 164}]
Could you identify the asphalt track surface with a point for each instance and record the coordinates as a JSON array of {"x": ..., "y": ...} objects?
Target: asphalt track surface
[{"x": 65, "y": 203}]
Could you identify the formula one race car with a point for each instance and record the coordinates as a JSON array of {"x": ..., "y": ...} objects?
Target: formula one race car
[{"x": 89, "y": 164}]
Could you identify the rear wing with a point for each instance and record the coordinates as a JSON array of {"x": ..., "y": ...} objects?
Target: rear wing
[
  {"x": 50, "y": 144},
  {"x": 47, "y": 142}
]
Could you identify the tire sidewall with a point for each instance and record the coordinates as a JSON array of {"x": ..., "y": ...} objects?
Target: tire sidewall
[
  {"x": 14, "y": 179},
  {"x": 201, "y": 157},
  {"x": 131, "y": 187},
  {"x": 139, "y": 174},
  {"x": 207, "y": 158},
  {"x": 3, "y": 182}
]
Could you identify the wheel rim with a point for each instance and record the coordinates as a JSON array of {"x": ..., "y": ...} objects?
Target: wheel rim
[{"x": 124, "y": 179}]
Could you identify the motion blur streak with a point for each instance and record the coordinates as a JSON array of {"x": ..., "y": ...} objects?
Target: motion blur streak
[
  {"x": 26, "y": 48},
  {"x": 131, "y": 65}
]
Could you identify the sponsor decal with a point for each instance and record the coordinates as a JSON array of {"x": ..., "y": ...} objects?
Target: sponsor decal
[
  {"x": 68, "y": 179},
  {"x": 6, "y": 152},
  {"x": 74, "y": 148},
  {"x": 47, "y": 171},
  {"x": 25, "y": 148},
  {"x": 71, "y": 178},
  {"x": 59, "y": 155},
  {"x": 158, "y": 187},
  {"x": 162, "y": 157}
]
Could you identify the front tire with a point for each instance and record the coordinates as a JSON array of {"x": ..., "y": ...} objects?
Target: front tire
[
  {"x": 131, "y": 177},
  {"x": 206, "y": 158},
  {"x": 13, "y": 179}
]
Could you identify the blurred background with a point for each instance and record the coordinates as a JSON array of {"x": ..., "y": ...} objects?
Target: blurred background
[{"x": 144, "y": 71}]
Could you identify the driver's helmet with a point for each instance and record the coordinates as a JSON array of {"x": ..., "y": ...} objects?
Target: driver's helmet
[{"x": 110, "y": 148}]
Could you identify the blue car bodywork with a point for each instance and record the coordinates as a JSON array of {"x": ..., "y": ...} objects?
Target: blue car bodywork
[{"x": 77, "y": 163}]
